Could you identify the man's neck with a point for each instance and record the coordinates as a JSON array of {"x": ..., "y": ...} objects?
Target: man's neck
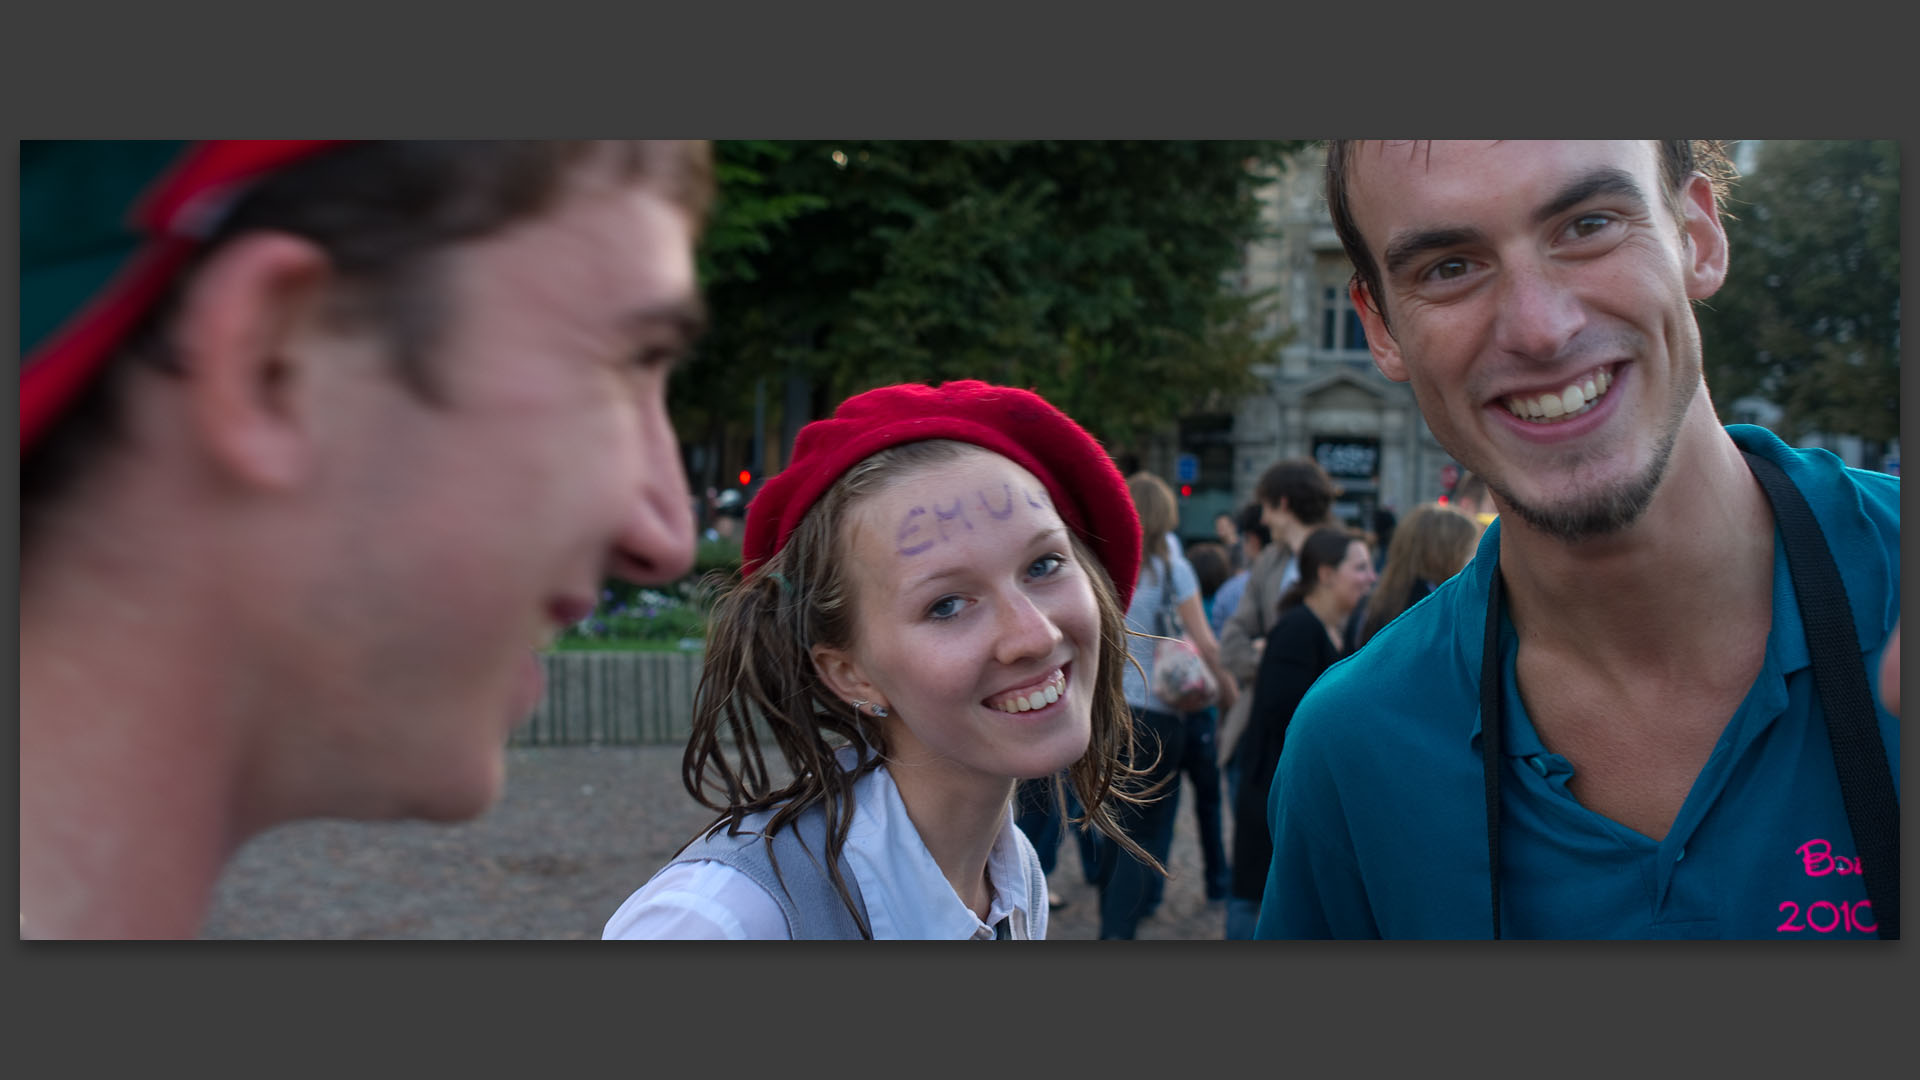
[
  {"x": 1699, "y": 558},
  {"x": 1297, "y": 532},
  {"x": 125, "y": 818},
  {"x": 123, "y": 827}
]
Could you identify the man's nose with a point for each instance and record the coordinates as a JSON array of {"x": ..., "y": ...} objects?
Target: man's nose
[
  {"x": 656, "y": 539},
  {"x": 1539, "y": 313}
]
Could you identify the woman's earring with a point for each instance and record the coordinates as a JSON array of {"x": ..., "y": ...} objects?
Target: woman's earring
[{"x": 878, "y": 710}]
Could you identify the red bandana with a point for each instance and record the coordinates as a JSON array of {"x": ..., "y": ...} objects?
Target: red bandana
[{"x": 163, "y": 229}]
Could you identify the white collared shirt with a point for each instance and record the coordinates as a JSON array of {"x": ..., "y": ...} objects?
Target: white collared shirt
[{"x": 906, "y": 895}]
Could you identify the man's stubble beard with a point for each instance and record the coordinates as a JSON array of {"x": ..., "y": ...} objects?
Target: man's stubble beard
[{"x": 1605, "y": 512}]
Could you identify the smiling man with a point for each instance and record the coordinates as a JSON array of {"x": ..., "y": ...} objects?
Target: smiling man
[
  {"x": 1645, "y": 752},
  {"x": 320, "y": 443}
]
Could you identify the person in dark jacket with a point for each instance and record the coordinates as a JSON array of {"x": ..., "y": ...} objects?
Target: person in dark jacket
[{"x": 1336, "y": 570}]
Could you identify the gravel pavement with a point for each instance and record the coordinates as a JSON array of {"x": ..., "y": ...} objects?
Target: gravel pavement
[{"x": 576, "y": 831}]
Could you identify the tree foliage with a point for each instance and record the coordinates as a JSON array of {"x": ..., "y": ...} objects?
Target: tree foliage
[
  {"x": 1092, "y": 272},
  {"x": 1809, "y": 317}
]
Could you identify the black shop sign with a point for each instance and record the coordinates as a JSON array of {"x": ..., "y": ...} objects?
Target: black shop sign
[{"x": 1349, "y": 459}]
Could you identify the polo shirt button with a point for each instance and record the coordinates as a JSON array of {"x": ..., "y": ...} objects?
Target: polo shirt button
[{"x": 1539, "y": 766}]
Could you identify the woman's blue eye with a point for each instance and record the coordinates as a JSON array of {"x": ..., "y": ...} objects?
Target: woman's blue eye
[
  {"x": 944, "y": 608},
  {"x": 1045, "y": 564}
]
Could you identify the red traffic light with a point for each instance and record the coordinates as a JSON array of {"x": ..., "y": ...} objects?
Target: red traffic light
[
  {"x": 1186, "y": 490},
  {"x": 745, "y": 478}
]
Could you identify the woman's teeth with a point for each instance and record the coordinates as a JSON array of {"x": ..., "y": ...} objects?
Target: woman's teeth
[
  {"x": 1575, "y": 399},
  {"x": 1046, "y": 695}
]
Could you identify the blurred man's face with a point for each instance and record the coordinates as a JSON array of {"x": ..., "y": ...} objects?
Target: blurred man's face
[
  {"x": 471, "y": 532},
  {"x": 1538, "y": 295}
]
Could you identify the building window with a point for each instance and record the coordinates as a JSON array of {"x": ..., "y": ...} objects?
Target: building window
[{"x": 1340, "y": 328}]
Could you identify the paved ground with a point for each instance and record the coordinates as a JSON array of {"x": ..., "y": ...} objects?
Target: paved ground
[{"x": 577, "y": 830}]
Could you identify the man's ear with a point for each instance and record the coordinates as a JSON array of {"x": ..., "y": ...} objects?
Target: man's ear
[
  {"x": 1385, "y": 350},
  {"x": 844, "y": 676},
  {"x": 238, "y": 336},
  {"x": 1706, "y": 237}
]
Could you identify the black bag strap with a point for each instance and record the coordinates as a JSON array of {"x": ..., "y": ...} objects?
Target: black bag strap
[
  {"x": 1859, "y": 756},
  {"x": 1492, "y": 716},
  {"x": 1866, "y": 781}
]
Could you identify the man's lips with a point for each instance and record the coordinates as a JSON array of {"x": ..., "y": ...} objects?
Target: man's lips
[{"x": 1563, "y": 400}]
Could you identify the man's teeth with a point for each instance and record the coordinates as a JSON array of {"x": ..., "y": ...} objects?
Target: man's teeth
[
  {"x": 1571, "y": 402},
  {"x": 1038, "y": 699}
]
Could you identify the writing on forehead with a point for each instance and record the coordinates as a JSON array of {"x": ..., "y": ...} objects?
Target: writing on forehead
[{"x": 956, "y": 513}]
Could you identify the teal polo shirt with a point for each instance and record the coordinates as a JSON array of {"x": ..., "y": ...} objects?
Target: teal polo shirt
[{"x": 1378, "y": 807}]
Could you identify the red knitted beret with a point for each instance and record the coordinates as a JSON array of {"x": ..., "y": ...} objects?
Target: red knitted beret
[{"x": 1087, "y": 489}]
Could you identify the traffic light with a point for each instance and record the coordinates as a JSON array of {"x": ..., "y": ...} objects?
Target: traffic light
[
  {"x": 1186, "y": 491},
  {"x": 746, "y": 477}
]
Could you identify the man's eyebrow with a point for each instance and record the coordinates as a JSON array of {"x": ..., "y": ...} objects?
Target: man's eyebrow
[
  {"x": 1602, "y": 181},
  {"x": 686, "y": 317},
  {"x": 1406, "y": 248}
]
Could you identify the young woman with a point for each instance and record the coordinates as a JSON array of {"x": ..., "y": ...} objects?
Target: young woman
[
  {"x": 1432, "y": 545},
  {"x": 930, "y": 610},
  {"x": 1131, "y": 888},
  {"x": 1336, "y": 570}
]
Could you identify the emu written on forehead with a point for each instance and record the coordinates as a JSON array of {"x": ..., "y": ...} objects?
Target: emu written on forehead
[{"x": 917, "y": 533}]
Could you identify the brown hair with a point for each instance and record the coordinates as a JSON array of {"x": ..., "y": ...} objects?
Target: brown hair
[
  {"x": 759, "y": 681},
  {"x": 1159, "y": 513},
  {"x": 1679, "y": 158},
  {"x": 1430, "y": 545},
  {"x": 1308, "y": 490},
  {"x": 381, "y": 211},
  {"x": 1210, "y": 566}
]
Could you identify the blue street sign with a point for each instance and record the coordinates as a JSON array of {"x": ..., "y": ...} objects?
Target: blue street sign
[{"x": 1187, "y": 467}]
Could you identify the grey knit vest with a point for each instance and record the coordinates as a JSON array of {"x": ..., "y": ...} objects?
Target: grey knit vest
[{"x": 801, "y": 885}]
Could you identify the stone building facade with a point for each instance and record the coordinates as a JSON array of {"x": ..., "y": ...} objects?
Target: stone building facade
[{"x": 1324, "y": 399}]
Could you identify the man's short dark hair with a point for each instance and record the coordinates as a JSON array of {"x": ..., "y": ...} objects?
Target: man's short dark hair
[
  {"x": 1305, "y": 486},
  {"x": 1679, "y": 158},
  {"x": 1250, "y": 523},
  {"x": 380, "y": 210}
]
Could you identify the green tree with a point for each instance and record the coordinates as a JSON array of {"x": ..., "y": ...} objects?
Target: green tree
[
  {"x": 748, "y": 221},
  {"x": 1092, "y": 272},
  {"x": 1809, "y": 317}
]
